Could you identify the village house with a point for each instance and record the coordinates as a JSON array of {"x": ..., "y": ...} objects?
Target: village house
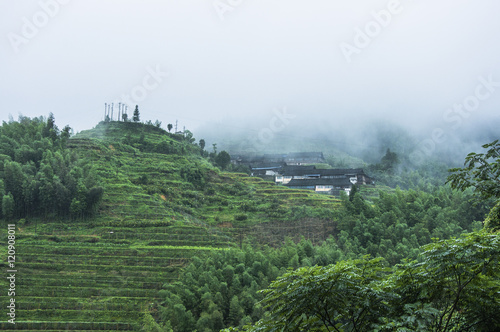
[
  {"x": 355, "y": 175},
  {"x": 289, "y": 170},
  {"x": 327, "y": 181},
  {"x": 266, "y": 170},
  {"x": 323, "y": 186},
  {"x": 289, "y": 173}
]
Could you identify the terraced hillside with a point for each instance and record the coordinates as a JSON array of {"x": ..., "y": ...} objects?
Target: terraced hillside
[
  {"x": 163, "y": 203},
  {"x": 74, "y": 277}
]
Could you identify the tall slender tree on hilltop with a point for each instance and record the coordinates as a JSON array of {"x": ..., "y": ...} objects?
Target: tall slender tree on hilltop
[
  {"x": 51, "y": 131},
  {"x": 136, "y": 117}
]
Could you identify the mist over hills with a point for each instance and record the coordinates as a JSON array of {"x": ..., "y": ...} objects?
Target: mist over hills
[{"x": 366, "y": 139}]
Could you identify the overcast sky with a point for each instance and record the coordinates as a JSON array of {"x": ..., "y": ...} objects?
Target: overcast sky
[{"x": 328, "y": 60}]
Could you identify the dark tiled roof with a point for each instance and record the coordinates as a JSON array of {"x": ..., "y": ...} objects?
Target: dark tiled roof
[
  {"x": 298, "y": 170},
  {"x": 341, "y": 182},
  {"x": 307, "y": 170},
  {"x": 342, "y": 171},
  {"x": 266, "y": 166}
]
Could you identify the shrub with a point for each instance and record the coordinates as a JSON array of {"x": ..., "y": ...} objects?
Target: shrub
[{"x": 240, "y": 217}]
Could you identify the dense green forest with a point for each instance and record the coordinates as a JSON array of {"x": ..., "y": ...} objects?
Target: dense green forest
[
  {"x": 39, "y": 177},
  {"x": 166, "y": 236},
  {"x": 221, "y": 291},
  {"x": 453, "y": 286}
]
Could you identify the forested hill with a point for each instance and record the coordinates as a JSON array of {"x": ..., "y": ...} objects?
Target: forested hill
[
  {"x": 129, "y": 226},
  {"x": 122, "y": 172}
]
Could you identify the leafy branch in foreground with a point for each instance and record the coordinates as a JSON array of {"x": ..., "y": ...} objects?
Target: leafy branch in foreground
[
  {"x": 347, "y": 295},
  {"x": 457, "y": 282},
  {"x": 481, "y": 172}
]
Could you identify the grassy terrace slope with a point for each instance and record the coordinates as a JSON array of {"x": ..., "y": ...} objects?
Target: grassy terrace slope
[{"x": 163, "y": 204}]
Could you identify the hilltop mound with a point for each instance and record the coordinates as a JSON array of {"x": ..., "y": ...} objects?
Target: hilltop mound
[{"x": 153, "y": 177}]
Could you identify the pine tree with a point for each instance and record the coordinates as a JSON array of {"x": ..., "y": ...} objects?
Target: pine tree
[
  {"x": 66, "y": 133},
  {"x": 136, "y": 117}
]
